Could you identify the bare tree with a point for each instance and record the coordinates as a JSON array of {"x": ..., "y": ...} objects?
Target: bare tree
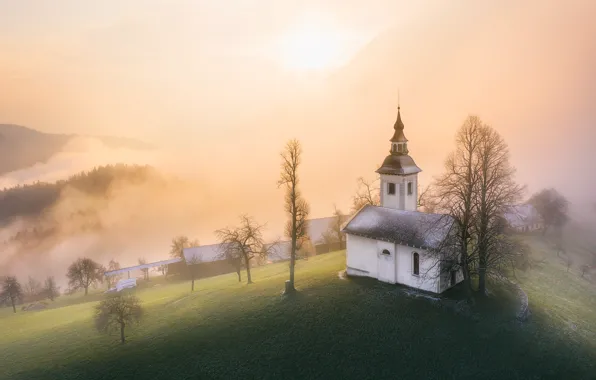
[
  {"x": 552, "y": 207},
  {"x": 367, "y": 193},
  {"x": 243, "y": 242},
  {"x": 585, "y": 268},
  {"x": 328, "y": 237},
  {"x": 454, "y": 191},
  {"x": 145, "y": 271},
  {"x": 50, "y": 289},
  {"x": 178, "y": 245},
  {"x": 116, "y": 312},
  {"x": 427, "y": 201},
  {"x": 193, "y": 267},
  {"x": 11, "y": 291},
  {"x": 333, "y": 234},
  {"x": 235, "y": 261},
  {"x": 32, "y": 287},
  {"x": 495, "y": 189},
  {"x": 112, "y": 280},
  {"x": 568, "y": 262},
  {"x": 295, "y": 205},
  {"x": 338, "y": 220},
  {"x": 83, "y": 273}
]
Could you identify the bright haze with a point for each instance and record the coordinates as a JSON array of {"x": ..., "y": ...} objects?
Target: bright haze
[{"x": 220, "y": 86}]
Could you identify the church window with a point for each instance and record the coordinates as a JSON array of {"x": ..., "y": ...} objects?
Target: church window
[
  {"x": 391, "y": 188},
  {"x": 386, "y": 252},
  {"x": 393, "y": 148},
  {"x": 399, "y": 148},
  {"x": 409, "y": 188},
  {"x": 416, "y": 263}
]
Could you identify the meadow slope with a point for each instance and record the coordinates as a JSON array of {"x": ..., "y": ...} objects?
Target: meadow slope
[{"x": 333, "y": 328}]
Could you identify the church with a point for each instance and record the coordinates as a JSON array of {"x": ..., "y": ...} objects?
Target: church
[{"x": 394, "y": 242}]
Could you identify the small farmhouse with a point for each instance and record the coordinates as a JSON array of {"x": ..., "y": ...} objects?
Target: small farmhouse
[
  {"x": 394, "y": 242},
  {"x": 523, "y": 218}
]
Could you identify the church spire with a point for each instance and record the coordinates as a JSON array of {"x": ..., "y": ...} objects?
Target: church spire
[{"x": 398, "y": 135}]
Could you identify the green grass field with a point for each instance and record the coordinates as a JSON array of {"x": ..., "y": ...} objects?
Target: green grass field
[{"x": 333, "y": 328}]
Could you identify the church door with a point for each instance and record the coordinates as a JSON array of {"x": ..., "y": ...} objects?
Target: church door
[{"x": 386, "y": 266}]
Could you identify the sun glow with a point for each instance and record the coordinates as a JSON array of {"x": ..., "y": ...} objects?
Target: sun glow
[{"x": 313, "y": 44}]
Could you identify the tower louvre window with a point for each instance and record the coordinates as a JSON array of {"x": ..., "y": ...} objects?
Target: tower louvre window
[
  {"x": 391, "y": 188},
  {"x": 409, "y": 188}
]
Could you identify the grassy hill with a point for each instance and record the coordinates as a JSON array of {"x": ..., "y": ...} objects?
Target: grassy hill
[{"x": 334, "y": 328}]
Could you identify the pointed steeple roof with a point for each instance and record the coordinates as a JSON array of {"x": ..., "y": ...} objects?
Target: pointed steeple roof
[{"x": 398, "y": 135}]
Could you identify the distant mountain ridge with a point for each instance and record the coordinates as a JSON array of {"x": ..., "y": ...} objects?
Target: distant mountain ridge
[{"x": 22, "y": 147}]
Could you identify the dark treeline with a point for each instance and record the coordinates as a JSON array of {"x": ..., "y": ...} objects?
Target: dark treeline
[{"x": 31, "y": 200}]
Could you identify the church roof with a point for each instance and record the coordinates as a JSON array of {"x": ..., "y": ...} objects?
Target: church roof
[
  {"x": 399, "y": 164},
  {"x": 398, "y": 135},
  {"x": 411, "y": 228}
]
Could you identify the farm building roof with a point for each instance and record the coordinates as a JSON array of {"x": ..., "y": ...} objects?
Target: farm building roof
[
  {"x": 521, "y": 215},
  {"x": 317, "y": 227},
  {"x": 143, "y": 266},
  {"x": 411, "y": 228},
  {"x": 203, "y": 253}
]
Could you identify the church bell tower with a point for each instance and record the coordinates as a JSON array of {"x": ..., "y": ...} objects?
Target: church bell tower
[{"x": 399, "y": 173}]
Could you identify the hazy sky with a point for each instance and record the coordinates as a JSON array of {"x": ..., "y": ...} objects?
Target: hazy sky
[{"x": 221, "y": 85}]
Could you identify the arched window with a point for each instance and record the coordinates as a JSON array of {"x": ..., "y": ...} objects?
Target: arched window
[
  {"x": 386, "y": 252},
  {"x": 416, "y": 263}
]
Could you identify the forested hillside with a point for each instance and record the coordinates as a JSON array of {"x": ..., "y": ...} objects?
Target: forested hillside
[{"x": 33, "y": 215}]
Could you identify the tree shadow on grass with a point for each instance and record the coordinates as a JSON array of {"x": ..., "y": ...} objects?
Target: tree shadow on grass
[{"x": 342, "y": 329}]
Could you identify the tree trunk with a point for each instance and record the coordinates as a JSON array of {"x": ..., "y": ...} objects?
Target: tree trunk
[
  {"x": 86, "y": 289},
  {"x": 192, "y": 286},
  {"x": 292, "y": 264},
  {"x": 14, "y": 308},
  {"x": 122, "y": 339},
  {"x": 482, "y": 280},
  {"x": 238, "y": 271},
  {"x": 466, "y": 273}
]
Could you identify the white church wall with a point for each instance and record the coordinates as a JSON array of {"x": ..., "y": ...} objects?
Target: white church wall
[
  {"x": 400, "y": 200},
  {"x": 361, "y": 256},
  {"x": 411, "y": 201},
  {"x": 426, "y": 279},
  {"x": 386, "y": 263},
  {"x": 390, "y": 200}
]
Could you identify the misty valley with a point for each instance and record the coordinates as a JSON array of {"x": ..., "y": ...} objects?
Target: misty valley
[{"x": 297, "y": 190}]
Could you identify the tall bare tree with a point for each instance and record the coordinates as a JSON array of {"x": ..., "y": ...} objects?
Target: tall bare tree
[
  {"x": 552, "y": 207},
  {"x": 243, "y": 242},
  {"x": 454, "y": 191},
  {"x": 83, "y": 273},
  {"x": 117, "y": 312},
  {"x": 367, "y": 193},
  {"x": 11, "y": 291},
  {"x": 295, "y": 205},
  {"x": 495, "y": 189}
]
